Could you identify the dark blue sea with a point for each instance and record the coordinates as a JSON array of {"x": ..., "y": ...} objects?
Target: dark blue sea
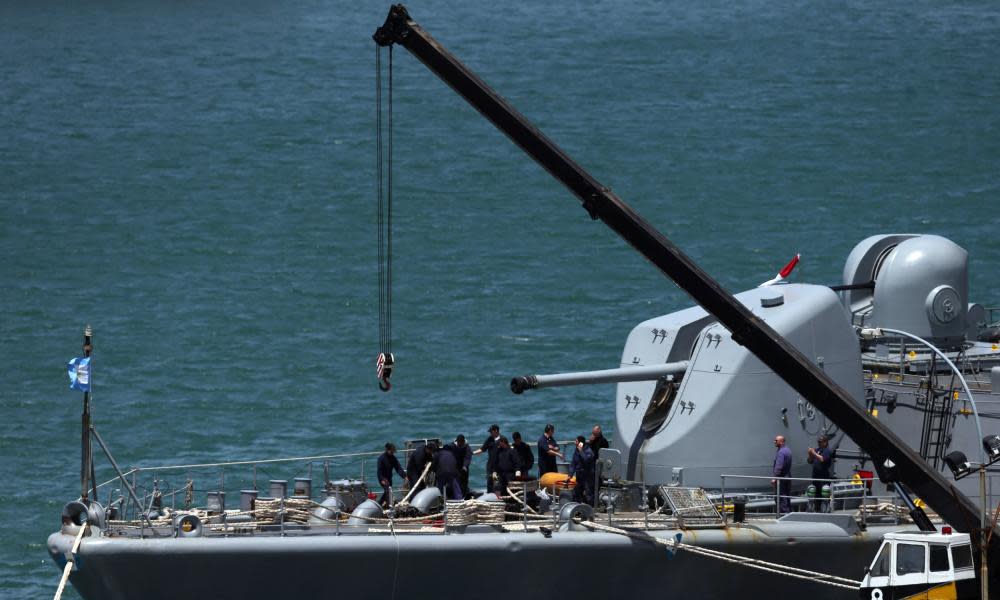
[{"x": 197, "y": 181}]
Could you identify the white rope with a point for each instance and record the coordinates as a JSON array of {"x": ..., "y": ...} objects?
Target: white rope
[
  {"x": 296, "y": 510},
  {"x": 537, "y": 518},
  {"x": 752, "y": 563},
  {"x": 69, "y": 561},
  {"x": 413, "y": 487},
  {"x": 471, "y": 512},
  {"x": 434, "y": 517},
  {"x": 522, "y": 502}
]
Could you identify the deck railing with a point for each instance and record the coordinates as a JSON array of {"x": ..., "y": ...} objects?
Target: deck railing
[{"x": 188, "y": 479}]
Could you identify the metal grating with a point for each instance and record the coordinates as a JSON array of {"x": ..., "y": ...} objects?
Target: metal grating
[{"x": 691, "y": 507}]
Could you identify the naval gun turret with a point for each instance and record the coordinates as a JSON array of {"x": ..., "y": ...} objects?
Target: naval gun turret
[{"x": 692, "y": 404}]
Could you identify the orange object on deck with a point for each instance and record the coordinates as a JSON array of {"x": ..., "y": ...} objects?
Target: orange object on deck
[{"x": 553, "y": 482}]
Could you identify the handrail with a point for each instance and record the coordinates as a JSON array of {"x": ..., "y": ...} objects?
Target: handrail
[
  {"x": 769, "y": 477},
  {"x": 276, "y": 460},
  {"x": 257, "y": 462}
]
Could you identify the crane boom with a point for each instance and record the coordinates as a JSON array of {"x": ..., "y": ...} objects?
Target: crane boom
[{"x": 748, "y": 330}]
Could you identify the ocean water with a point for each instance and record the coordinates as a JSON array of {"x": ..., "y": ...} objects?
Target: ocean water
[{"x": 197, "y": 181}]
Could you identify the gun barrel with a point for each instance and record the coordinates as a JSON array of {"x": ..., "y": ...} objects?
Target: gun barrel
[{"x": 645, "y": 373}]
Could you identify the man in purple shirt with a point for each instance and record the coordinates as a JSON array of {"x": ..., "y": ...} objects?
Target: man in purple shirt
[{"x": 782, "y": 469}]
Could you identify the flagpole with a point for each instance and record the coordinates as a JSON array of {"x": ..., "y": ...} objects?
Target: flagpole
[{"x": 85, "y": 456}]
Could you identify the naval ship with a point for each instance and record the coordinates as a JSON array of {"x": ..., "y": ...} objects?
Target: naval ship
[
  {"x": 890, "y": 364},
  {"x": 687, "y": 395}
]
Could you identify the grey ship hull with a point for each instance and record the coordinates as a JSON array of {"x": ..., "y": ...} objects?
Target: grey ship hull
[{"x": 485, "y": 561}]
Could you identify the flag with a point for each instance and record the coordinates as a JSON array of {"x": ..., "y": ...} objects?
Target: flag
[
  {"x": 783, "y": 273},
  {"x": 79, "y": 374}
]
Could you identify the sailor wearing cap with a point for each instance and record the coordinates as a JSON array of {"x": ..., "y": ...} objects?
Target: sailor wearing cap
[
  {"x": 490, "y": 446},
  {"x": 821, "y": 459},
  {"x": 548, "y": 450}
]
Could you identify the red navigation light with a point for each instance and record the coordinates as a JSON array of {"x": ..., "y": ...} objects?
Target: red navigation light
[{"x": 946, "y": 530}]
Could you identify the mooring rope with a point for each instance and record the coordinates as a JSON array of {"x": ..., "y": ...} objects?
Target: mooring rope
[
  {"x": 521, "y": 502},
  {"x": 752, "y": 563},
  {"x": 70, "y": 560},
  {"x": 413, "y": 488}
]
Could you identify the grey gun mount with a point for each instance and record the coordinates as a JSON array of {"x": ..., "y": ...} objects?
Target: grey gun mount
[
  {"x": 640, "y": 373},
  {"x": 921, "y": 286}
]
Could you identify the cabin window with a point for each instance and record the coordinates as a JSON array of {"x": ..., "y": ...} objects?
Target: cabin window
[
  {"x": 939, "y": 558},
  {"x": 881, "y": 568},
  {"x": 910, "y": 559},
  {"x": 961, "y": 556}
]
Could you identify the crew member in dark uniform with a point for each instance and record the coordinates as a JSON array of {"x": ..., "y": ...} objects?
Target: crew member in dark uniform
[
  {"x": 446, "y": 475},
  {"x": 463, "y": 458},
  {"x": 821, "y": 459},
  {"x": 548, "y": 450},
  {"x": 583, "y": 468},
  {"x": 387, "y": 463},
  {"x": 506, "y": 466},
  {"x": 525, "y": 458},
  {"x": 597, "y": 441},
  {"x": 419, "y": 458},
  {"x": 490, "y": 447}
]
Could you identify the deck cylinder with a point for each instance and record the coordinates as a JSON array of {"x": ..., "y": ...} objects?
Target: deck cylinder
[
  {"x": 303, "y": 487},
  {"x": 366, "y": 511},
  {"x": 216, "y": 502},
  {"x": 247, "y": 498},
  {"x": 279, "y": 488},
  {"x": 427, "y": 500},
  {"x": 327, "y": 511}
]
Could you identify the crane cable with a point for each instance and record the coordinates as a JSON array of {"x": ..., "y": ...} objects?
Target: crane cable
[{"x": 383, "y": 173}]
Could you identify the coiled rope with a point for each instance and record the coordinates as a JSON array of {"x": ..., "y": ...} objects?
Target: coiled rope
[{"x": 752, "y": 563}]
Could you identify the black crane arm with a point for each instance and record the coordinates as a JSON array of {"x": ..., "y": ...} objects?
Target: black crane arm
[{"x": 750, "y": 331}]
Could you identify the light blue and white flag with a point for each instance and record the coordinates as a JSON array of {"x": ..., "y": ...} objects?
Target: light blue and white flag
[{"x": 79, "y": 374}]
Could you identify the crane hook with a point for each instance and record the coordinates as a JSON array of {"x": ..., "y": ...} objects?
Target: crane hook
[{"x": 383, "y": 370}]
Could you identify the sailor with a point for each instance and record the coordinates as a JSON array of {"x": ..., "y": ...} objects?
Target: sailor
[
  {"x": 419, "y": 458},
  {"x": 490, "y": 447},
  {"x": 387, "y": 463},
  {"x": 782, "y": 470},
  {"x": 583, "y": 467},
  {"x": 463, "y": 458},
  {"x": 548, "y": 450},
  {"x": 506, "y": 466},
  {"x": 821, "y": 458},
  {"x": 446, "y": 474},
  {"x": 525, "y": 458},
  {"x": 597, "y": 441}
]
